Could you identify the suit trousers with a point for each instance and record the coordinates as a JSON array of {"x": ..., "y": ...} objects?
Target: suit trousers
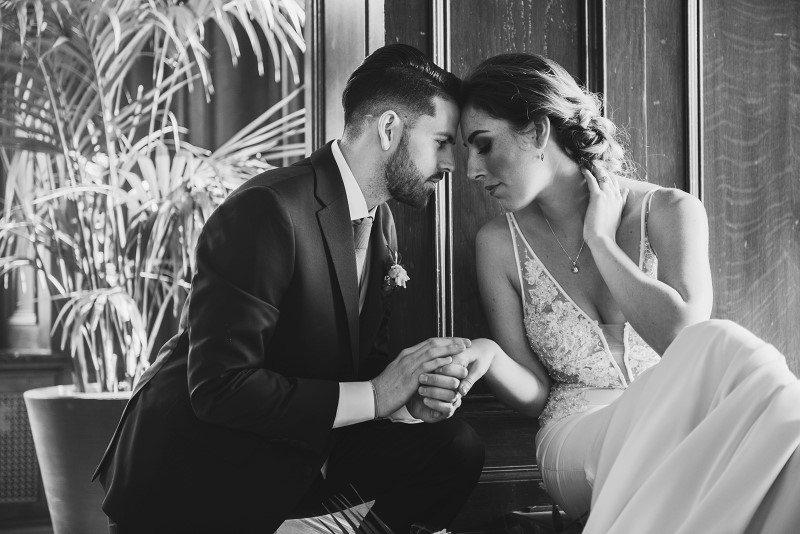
[{"x": 416, "y": 473}]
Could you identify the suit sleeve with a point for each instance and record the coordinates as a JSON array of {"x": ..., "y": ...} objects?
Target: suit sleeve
[{"x": 245, "y": 261}]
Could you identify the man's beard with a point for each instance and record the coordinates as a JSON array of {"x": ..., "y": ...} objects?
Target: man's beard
[{"x": 404, "y": 180}]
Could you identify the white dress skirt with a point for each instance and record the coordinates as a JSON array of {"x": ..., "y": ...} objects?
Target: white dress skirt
[{"x": 706, "y": 441}]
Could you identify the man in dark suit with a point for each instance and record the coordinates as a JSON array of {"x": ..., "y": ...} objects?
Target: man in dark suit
[{"x": 278, "y": 389}]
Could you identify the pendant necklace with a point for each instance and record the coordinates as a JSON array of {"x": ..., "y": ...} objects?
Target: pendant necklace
[{"x": 573, "y": 262}]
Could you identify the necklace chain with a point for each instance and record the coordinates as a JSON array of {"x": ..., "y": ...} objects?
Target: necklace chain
[{"x": 573, "y": 262}]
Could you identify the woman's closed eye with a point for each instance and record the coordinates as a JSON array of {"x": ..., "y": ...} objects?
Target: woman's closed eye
[{"x": 484, "y": 148}]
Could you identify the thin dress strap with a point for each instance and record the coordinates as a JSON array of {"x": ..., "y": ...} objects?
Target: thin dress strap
[
  {"x": 644, "y": 240},
  {"x": 513, "y": 228}
]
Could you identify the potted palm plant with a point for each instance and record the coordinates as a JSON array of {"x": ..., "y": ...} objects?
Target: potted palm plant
[{"x": 104, "y": 196}]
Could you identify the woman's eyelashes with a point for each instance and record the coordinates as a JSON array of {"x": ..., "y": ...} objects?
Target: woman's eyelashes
[{"x": 483, "y": 148}]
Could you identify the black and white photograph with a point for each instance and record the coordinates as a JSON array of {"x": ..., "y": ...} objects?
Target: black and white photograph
[{"x": 399, "y": 266}]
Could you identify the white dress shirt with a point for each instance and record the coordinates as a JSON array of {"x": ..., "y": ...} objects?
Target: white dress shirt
[{"x": 356, "y": 399}]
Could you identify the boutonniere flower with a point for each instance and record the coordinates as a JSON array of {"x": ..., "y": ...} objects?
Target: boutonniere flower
[{"x": 396, "y": 276}]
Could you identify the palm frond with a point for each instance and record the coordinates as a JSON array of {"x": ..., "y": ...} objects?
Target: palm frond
[
  {"x": 104, "y": 198},
  {"x": 349, "y": 517}
]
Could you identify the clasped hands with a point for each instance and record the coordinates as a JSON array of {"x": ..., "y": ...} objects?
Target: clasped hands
[{"x": 431, "y": 377}]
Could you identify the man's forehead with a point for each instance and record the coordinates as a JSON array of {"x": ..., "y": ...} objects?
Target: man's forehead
[{"x": 445, "y": 104}]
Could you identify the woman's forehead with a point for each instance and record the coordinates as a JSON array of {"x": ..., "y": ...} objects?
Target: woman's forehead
[{"x": 477, "y": 119}]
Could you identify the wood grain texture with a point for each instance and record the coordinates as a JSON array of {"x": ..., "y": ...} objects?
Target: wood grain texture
[
  {"x": 751, "y": 165},
  {"x": 626, "y": 77},
  {"x": 482, "y": 28},
  {"x": 666, "y": 100},
  {"x": 409, "y": 22},
  {"x": 647, "y": 85}
]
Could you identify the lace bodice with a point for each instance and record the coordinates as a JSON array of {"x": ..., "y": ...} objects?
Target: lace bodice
[{"x": 569, "y": 344}]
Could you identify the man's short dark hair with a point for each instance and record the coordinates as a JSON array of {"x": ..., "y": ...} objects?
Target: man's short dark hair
[{"x": 398, "y": 77}]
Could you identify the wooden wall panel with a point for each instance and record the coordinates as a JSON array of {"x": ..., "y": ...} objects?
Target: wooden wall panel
[
  {"x": 647, "y": 84},
  {"x": 481, "y": 29},
  {"x": 625, "y": 97},
  {"x": 665, "y": 75},
  {"x": 751, "y": 165},
  {"x": 409, "y": 22}
]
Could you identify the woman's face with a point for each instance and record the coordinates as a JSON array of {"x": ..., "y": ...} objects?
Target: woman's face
[{"x": 506, "y": 162}]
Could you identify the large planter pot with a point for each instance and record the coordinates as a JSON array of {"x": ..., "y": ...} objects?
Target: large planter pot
[{"x": 70, "y": 432}]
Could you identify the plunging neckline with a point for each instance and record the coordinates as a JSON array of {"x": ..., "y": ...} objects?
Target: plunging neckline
[{"x": 624, "y": 377}]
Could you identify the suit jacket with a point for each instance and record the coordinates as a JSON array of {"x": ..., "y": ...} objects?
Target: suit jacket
[{"x": 233, "y": 419}]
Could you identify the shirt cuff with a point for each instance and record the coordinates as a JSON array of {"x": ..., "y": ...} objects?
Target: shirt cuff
[{"x": 356, "y": 404}]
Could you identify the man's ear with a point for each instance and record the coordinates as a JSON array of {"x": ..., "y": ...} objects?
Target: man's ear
[
  {"x": 389, "y": 129},
  {"x": 539, "y": 130}
]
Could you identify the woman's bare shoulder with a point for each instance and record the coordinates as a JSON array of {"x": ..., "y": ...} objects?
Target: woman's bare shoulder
[
  {"x": 676, "y": 218},
  {"x": 671, "y": 205},
  {"x": 495, "y": 249},
  {"x": 494, "y": 230},
  {"x": 665, "y": 201}
]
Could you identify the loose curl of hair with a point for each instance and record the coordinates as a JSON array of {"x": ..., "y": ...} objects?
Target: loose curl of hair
[{"x": 521, "y": 88}]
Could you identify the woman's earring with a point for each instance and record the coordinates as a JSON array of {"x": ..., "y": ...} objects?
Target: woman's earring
[{"x": 541, "y": 156}]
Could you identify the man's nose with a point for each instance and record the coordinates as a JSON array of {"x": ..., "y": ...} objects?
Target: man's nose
[{"x": 447, "y": 161}]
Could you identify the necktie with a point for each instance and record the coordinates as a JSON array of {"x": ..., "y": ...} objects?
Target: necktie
[{"x": 361, "y": 231}]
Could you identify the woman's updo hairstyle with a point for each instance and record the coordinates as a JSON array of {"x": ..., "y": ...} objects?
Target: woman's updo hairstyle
[{"x": 519, "y": 88}]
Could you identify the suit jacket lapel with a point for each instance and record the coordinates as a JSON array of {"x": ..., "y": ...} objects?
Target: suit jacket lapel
[
  {"x": 337, "y": 231},
  {"x": 372, "y": 312}
]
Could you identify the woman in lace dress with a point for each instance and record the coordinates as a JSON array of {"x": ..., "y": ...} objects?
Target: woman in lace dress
[{"x": 586, "y": 281}]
